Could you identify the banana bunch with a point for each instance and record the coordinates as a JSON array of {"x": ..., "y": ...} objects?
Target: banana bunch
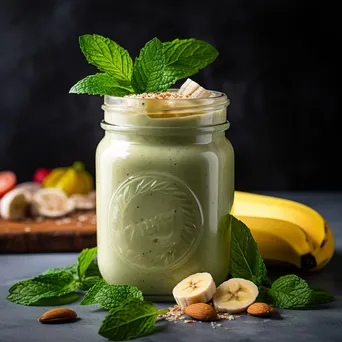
[{"x": 286, "y": 231}]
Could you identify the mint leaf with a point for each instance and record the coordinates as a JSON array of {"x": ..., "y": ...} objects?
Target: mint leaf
[
  {"x": 107, "y": 56},
  {"x": 89, "y": 297},
  {"x": 30, "y": 291},
  {"x": 99, "y": 84},
  {"x": 88, "y": 282},
  {"x": 111, "y": 296},
  {"x": 85, "y": 259},
  {"x": 289, "y": 292},
  {"x": 148, "y": 70},
  {"x": 93, "y": 270},
  {"x": 185, "y": 57},
  {"x": 245, "y": 258},
  {"x": 132, "y": 319},
  {"x": 61, "y": 300},
  {"x": 319, "y": 296},
  {"x": 72, "y": 269}
]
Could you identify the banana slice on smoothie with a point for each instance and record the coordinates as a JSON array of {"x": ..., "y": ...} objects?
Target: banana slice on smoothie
[
  {"x": 235, "y": 295},
  {"x": 14, "y": 205},
  {"x": 162, "y": 105},
  {"x": 196, "y": 288},
  {"x": 192, "y": 89},
  {"x": 52, "y": 203}
]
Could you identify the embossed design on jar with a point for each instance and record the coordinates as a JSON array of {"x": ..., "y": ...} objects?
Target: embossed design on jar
[{"x": 156, "y": 221}]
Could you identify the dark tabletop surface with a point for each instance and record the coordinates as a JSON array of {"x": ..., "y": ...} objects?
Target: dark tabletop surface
[{"x": 19, "y": 323}]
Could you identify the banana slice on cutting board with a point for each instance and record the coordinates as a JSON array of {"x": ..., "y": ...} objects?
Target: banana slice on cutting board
[
  {"x": 84, "y": 202},
  {"x": 30, "y": 187},
  {"x": 52, "y": 203},
  {"x": 196, "y": 288},
  {"x": 14, "y": 205},
  {"x": 235, "y": 295}
]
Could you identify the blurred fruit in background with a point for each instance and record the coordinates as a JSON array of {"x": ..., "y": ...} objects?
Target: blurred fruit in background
[
  {"x": 40, "y": 175},
  {"x": 8, "y": 181},
  {"x": 74, "y": 179}
]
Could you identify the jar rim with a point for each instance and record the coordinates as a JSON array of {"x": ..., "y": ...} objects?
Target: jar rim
[{"x": 219, "y": 99}]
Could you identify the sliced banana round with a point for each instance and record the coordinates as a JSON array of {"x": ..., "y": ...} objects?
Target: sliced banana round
[
  {"x": 51, "y": 202},
  {"x": 30, "y": 187},
  {"x": 196, "y": 288},
  {"x": 235, "y": 295},
  {"x": 193, "y": 90},
  {"x": 84, "y": 202},
  {"x": 14, "y": 205}
]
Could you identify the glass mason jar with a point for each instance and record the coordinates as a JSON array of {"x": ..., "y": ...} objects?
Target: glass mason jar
[{"x": 164, "y": 179}]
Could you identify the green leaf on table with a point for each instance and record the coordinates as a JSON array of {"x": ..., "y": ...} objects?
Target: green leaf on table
[
  {"x": 319, "y": 296},
  {"x": 111, "y": 296},
  {"x": 99, "y": 84},
  {"x": 289, "y": 292},
  {"x": 91, "y": 277},
  {"x": 61, "y": 300},
  {"x": 245, "y": 258},
  {"x": 107, "y": 56},
  {"x": 93, "y": 270},
  {"x": 30, "y": 291},
  {"x": 85, "y": 259},
  {"x": 89, "y": 297},
  {"x": 148, "y": 70},
  {"x": 133, "y": 319},
  {"x": 186, "y": 57},
  {"x": 88, "y": 282},
  {"x": 72, "y": 269}
]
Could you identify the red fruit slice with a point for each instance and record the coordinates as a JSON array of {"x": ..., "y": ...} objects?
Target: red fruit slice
[
  {"x": 40, "y": 174},
  {"x": 8, "y": 181}
]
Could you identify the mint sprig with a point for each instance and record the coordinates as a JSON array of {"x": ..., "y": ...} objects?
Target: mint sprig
[
  {"x": 107, "y": 56},
  {"x": 111, "y": 296},
  {"x": 246, "y": 261},
  {"x": 148, "y": 71},
  {"x": 287, "y": 292},
  {"x": 134, "y": 318},
  {"x": 29, "y": 292},
  {"x": 158, "y": 66},
  {"x": 72, "y": 268},
  {"x": 90, "y": 296},
  {"x": 293, "y": 292},
  {"x": 99, "y": 84},
  {"x": 186, "y": 57},
  {"x": 57, "y": 286},
  {"x": 84, "y": 260}
]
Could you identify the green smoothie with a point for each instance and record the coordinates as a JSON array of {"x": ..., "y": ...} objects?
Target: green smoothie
[{"x": 165, "y": 177}]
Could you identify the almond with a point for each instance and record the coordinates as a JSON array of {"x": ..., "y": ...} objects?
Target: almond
[
  {"x": 260, "y": 309},
  {"x": 201, "y": 312},
  {"x": 58, "y": 315}
]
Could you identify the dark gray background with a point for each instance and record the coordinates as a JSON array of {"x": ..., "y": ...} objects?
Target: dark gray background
[{"x": 279, "y": 64}]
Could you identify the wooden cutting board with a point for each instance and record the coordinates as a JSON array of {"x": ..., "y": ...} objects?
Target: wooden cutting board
[{"x": 68, "y": 234}]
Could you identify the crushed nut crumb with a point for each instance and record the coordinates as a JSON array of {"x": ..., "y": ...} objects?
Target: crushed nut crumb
[
  {"x": 160, "y": 96},
  {"x": 82, "y": 218},
  {"x": 27, "y": 229},
  {"x": 227, "y": 316},
  {"x": 65, "y": 220},
  {"x": 175, "y": 313}
]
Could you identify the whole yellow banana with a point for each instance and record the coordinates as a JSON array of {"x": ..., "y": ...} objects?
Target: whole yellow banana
[{"x": 286, "y": 230}]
